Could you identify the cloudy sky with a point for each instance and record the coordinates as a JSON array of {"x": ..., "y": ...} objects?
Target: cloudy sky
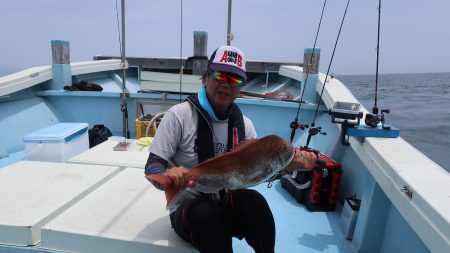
[{"x": 415, "y": 35}]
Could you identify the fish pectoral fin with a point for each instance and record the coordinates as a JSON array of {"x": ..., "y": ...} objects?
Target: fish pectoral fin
[
  {"x": 167, "y": 184},
  {"x": 172, "y": 199}
]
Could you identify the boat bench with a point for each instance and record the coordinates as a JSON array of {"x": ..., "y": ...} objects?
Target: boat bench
[
  {"x": 84, "y": 208},
  {"x": 126, "y": 214}
]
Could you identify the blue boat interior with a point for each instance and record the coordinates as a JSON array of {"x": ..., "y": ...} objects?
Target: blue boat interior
[{"x": 43, "y": 105}]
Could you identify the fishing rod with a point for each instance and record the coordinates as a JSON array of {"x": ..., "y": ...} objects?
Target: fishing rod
[
  {"x": 375, "y": 108},
  {"x": 123, "y": 106},
  {"x": 313, "y": 130},
  {"x": 372, "y": 119},
  {"x": 295, "y": 124}
]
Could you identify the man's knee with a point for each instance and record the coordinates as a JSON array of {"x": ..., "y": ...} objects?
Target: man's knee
[
  {"x": 249, "y": 197},
  {"x": 248, "y": 207},
  {"x": 202, "y": 210}
]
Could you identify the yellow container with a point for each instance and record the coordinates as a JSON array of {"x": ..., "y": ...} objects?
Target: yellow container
[{"x": 141, "y": 127}]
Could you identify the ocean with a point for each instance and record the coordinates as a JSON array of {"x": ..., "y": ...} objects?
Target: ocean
[{"x": 419, "y": 105}]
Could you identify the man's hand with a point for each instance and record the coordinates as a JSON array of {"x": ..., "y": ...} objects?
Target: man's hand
[
  {"x": 302, "y": 161},
  {"x": 178, "y": 175}
]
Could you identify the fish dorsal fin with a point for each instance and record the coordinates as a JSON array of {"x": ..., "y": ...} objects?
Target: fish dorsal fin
[{"x": 243, "y": 144}]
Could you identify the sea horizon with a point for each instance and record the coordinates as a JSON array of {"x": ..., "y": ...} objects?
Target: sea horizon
[{"x": 11, "y": 70}]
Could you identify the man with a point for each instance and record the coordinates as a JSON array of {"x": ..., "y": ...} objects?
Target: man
[{"x": 206, "y": 125}]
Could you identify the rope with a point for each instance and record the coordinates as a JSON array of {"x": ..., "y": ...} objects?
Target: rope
[{"x": 153, "y": 122}]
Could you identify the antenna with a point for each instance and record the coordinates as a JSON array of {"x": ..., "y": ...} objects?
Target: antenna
[{"x": 229, "y": 35}]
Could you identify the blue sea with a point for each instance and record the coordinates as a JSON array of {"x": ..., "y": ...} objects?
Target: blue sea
[{"x": 419, "y": 104}]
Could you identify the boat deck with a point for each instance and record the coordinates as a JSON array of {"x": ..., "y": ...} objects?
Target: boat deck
[
  {"x": 103, "y": 154},
  {"x": 119, "y": 211},
  {"x": 299, "y": 230}
]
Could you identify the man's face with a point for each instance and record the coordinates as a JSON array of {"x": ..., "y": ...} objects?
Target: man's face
[{"x": 220, "y": 94}]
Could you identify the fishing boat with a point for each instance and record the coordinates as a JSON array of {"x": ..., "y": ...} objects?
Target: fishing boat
[{"x": 59, "y": 195}]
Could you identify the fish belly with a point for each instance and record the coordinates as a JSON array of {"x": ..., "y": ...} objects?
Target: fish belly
[
  {"x": 215, "y": 183},
  {"x": 210, "y": 183}
]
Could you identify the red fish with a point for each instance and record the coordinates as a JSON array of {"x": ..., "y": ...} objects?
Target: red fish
[{"x": 250, "y": 163}]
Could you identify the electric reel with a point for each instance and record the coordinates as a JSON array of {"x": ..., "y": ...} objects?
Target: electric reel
[{"x": 373, "y": 119}]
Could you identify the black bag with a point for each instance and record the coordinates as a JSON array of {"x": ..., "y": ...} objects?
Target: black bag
[
  {"x": 84, "y": 86},
  {"x": 98, "y": 134}
]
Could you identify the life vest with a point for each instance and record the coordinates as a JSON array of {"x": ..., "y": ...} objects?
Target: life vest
[{"x": 204, "y": 144}]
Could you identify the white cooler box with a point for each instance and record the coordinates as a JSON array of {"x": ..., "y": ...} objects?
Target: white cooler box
[{"x": 57, "y": 143}]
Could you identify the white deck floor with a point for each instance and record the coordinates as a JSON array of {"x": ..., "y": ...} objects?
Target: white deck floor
[
  {"x": 126, "y": 214},
  {"x": 103, "y": 154},
  {"x": 34, "y": 193}
]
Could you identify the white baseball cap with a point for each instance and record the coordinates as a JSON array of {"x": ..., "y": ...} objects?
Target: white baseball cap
[{"x": 228, "y": 59}]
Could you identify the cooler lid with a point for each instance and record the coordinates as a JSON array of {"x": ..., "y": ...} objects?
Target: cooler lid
[{"x": 57, "y": 132}]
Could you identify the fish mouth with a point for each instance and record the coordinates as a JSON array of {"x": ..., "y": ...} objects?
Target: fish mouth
[
  {"x": 288, "y": 161},
  {"x": 291, "y": 158}
]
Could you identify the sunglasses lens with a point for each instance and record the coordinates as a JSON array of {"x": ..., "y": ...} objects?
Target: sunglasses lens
[
  {"x": 219, "y": 76},
  {"x": 233, "y": 81}
]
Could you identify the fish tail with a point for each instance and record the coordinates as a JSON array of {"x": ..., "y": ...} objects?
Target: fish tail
[{"x": 167, "y": 186}]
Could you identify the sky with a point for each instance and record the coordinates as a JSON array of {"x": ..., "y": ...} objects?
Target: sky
[{"x": 414, "y": 36}]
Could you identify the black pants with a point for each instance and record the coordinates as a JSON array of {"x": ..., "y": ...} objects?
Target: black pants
[{"x": 209, "y": 224}]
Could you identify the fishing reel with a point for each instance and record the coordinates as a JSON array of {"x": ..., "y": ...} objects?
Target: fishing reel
[
  {"x": 312, "y": 132},
  {"x": 316, "y": 130},
  {"x": 373, "y": 119},
  {"x": 296, "y": 125}
]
